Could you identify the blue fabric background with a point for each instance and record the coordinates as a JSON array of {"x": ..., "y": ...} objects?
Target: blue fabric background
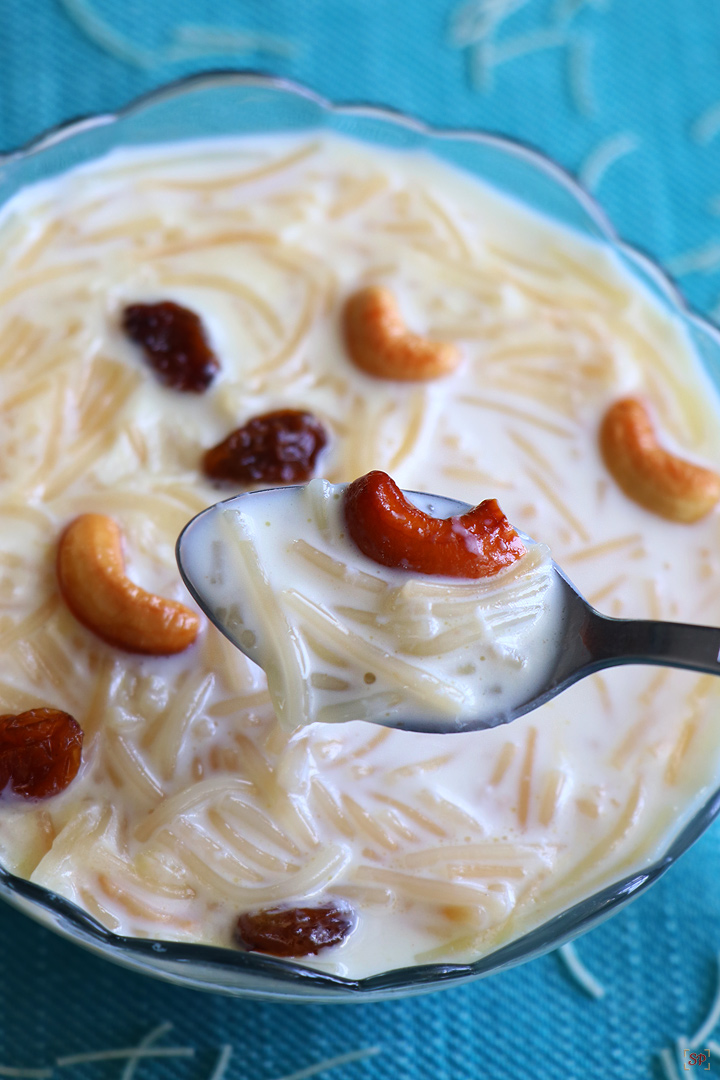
[{"x": 655, "y": 68}]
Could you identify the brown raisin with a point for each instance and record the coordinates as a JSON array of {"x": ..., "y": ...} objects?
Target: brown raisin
[
  {"x": 173, "y": 340},
  {"x": 393, "y": 532},
  {"x": 40, "y": 752},
  {"x": 277, "y": 447},
  {"x": 294, "y": 931}
]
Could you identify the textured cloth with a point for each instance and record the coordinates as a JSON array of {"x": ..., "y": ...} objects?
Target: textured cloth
[{"x": 643, "y": 70}]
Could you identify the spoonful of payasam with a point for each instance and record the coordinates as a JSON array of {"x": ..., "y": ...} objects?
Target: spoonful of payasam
[{"x": 365, "y": 602}]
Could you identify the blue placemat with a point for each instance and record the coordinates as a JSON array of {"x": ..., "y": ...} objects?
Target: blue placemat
[{"x": 623, "y": 92}]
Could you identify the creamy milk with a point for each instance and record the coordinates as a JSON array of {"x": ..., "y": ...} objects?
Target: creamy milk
[
  {"x": 193, "y": 803},
  {"x": 425, "y": 652}
]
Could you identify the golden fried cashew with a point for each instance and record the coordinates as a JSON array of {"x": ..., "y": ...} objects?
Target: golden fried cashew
[
  {"x": 655, "y": 478},
  {"x": 91, "y": 575},
  {"x": 380, "y": 344}
]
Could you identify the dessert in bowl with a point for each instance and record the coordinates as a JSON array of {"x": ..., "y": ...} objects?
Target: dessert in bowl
[{"x": 193, "y": 809}]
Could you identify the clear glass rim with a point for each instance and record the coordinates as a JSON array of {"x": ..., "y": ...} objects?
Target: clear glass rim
[{"x": 289, "y": 979}]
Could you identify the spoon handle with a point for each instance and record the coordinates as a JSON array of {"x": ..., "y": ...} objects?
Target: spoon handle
[{"x": 642, "y": 641}]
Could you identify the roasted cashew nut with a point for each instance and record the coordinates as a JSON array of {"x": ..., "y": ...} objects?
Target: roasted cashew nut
[
  {"x": 380, "y": 344},
  {"x": 648, "y": 474},
  {"x": 91, "y": 575}
]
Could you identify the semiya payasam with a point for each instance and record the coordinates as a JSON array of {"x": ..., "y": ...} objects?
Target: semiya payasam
[
  {"x": 326, "y": 587},
  {"x": 193, "y": 805}
]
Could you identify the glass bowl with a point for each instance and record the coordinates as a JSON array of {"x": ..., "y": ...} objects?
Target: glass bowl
[{"x": 238, "y": 103}]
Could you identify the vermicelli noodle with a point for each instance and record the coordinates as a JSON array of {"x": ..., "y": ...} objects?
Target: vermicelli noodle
[{"x": 192, "y": 804}]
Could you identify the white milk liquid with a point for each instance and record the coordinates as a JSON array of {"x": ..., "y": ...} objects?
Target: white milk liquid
[{"x": 193, "y": 803}]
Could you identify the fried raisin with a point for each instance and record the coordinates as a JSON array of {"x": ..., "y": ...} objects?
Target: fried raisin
[
  {"x": 294, "y": 931},
  {"x": 40, "y": 752},
  {"x": 277, "y": 448},
  {"x": 174, "y": 342},
  {"x": 393, "y": 532}
]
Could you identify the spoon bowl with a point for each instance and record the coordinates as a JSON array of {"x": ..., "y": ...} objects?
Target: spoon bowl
[{"x": 588, "y": 640}]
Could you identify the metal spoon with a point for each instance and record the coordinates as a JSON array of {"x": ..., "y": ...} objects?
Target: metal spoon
[{"x": 589, "y": 642}]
